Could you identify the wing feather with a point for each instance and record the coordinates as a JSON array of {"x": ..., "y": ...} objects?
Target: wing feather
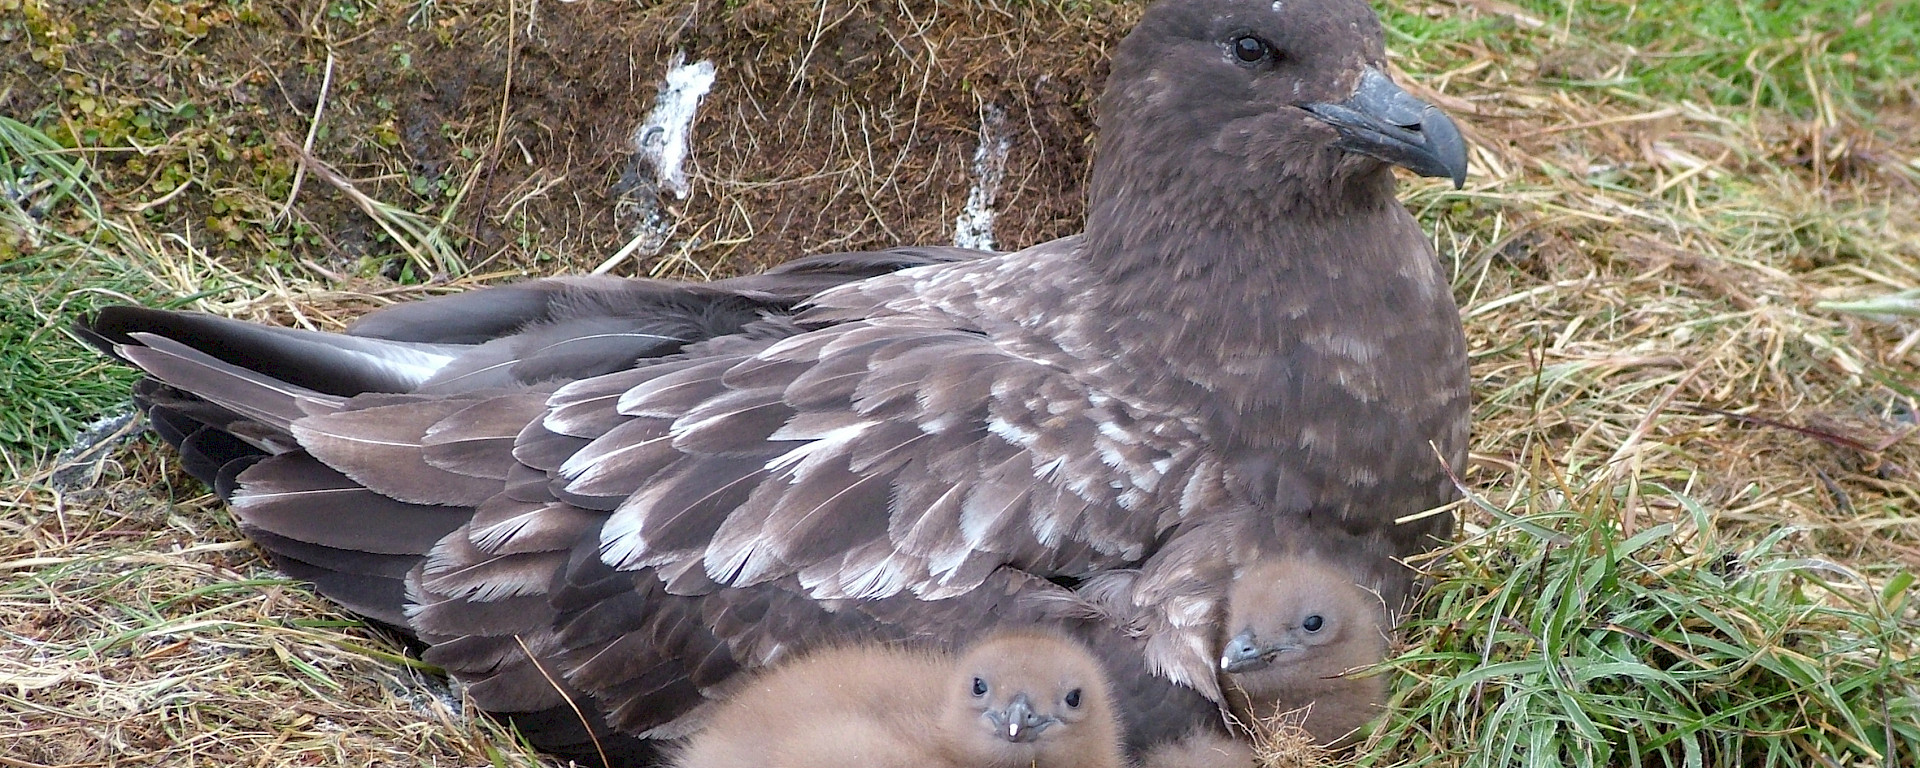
[
  {"x": 826, "y": 386},
  {"x": 507, "y": 526},
  {"x": 895, "y": 455},
  {"x": 587, "y": 408},
  {"x": 674, "y": 390},
  {"x": 458, "y": 569},
  {"x": 477, "y": 441},
  {"x": 297, "y": 497},
  {"x": 383, "y": 448},
  {"x": 248, "y": 393},
  {"x": 681, "y": 510},
  {"x": 738, "y": 423},
  {"x": 620, "y": 462}
]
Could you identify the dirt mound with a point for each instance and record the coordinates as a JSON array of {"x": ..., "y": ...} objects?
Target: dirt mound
[{"x": 831, "y": 126}]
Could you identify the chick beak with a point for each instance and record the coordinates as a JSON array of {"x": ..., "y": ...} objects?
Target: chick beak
[
  {"x": 1018, "y": 722},
  {"x": 1245, "y": 654},
  {"x": 1242, "y": 655}
]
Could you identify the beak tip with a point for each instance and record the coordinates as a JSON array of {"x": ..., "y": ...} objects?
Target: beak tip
[
  {"x": 1382, "y": 120},
  {"x": 1021, "y": 723},
  {"x": 1242, "y": 654},
  {"x": 1447, "y": 147}
]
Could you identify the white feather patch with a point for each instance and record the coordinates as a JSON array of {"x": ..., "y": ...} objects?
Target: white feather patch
[
  {"x": 493, "y": 536},
  {"x": 453, "y": 579},
  {"x": 743, "y": 565},
  {"x": 804, "y": 459},
  {"x": 1011, "y": 432},
  {"x": 871, "y": 572},
  {"x": 982, "y": 516},
  {"x": 621, "y": 547},
  {"x": 588, "y": 464}
]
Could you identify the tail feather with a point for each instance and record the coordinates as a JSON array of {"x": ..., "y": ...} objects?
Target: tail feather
[
  {"x": 172, "y": 426},
  {"x": 184, "y": 408},
  {"x": 208, "y": 451},
  {"x": 372, "y": 585},
  {"x": 374, "y": 597},
  {"x": 211, "y": 439},
  {"x": 248, "y": 393},
  {"x": 348, "y": 561},
  {"x": 356, "y": 547},
  {"x": 227, "y": 482},
  {"x": 331, "y": 363},
  {"x": 295, "y": 496}
]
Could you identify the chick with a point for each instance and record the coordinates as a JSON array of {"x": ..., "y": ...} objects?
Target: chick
[
  {"x": 1016, "y": 699},
  {"x": 1296, "y": 626},
  {"x": 1202, "y": 749}
]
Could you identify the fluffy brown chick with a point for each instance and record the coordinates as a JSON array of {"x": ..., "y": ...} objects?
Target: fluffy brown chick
[
  {"x": 1296, "y": 626},
  {"x": 1017, "y": 699}
]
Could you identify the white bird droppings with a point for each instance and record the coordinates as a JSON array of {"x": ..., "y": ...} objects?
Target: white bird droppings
[
  {"x": 661, "y": 147},
  {"x": 974, "y": 228},
  {"x": 665, "y": 137}
]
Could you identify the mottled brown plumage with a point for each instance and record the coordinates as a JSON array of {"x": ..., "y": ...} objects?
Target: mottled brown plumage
[
  {"x": 1014, "y": 700},
  {"x": 641, "y": 490}
]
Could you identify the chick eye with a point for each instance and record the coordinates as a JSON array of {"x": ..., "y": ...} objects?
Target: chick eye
[
  {"x": 1313, "y": 623},
  {"x": 1073, "y": 699},
  {"x": 979, "y": 687},
  {"x": 1249, "y": 49}
]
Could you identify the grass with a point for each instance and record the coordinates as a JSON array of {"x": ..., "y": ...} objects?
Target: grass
[
  {"x": 1796, "y": 57},
  {"x": 1558, "y": 642},
  {"x": 1686, "y": 259},
  {"x": 40, "y": 189},
  {"x": 1764, "y": 55}
]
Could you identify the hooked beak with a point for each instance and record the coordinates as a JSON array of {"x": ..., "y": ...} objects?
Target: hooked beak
[
  {"x": 1242, "y": 654},
  {"x": 1018, "y": 723},
  {"x": 1381, "y": 120}
]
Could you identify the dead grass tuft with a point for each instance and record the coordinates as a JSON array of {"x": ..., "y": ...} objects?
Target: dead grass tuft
[
  {"x": 1282, "y": 741},
  {"x": 140, "y": 631}
]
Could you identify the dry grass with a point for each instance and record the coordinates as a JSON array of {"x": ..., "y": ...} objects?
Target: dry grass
[
  {"x": 141, "y": 631},
  {"x": 1694, "y": 487}
]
